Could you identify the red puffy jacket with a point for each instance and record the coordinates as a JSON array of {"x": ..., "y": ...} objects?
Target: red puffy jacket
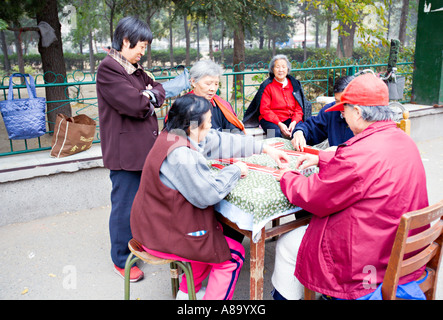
[
  {"x": 356, "y": 200},
  {"x": 278, "y": 103}
]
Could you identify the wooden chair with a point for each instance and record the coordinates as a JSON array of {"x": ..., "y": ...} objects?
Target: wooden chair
[
  {"x": 138, "y": 253},
  {"x": 405, "y": 123},
  {"x": 430, "y": 243}
]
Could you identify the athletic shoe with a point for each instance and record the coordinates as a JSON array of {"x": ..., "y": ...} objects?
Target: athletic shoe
[{"x": 134, "y": 275}]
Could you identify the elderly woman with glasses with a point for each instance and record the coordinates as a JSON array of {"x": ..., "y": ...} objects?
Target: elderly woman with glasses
[
  {"x": 205, "y": 77},
  {"x": 279, "y": 103}
]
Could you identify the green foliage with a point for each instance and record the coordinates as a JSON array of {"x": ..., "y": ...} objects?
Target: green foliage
[
  {"x": 257, "y": 58},
  {"x": 29, "y": 59},
  {"x": 77, "y": 61},
  {"x": 264, "y": 56},
  {"x": 162, "y": 56},
  {"x": 3, "y": 25},
  {"x": 28, "y": 69}
]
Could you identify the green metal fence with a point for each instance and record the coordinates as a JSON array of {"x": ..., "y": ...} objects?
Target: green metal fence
[{"x": 317, "y": 78}]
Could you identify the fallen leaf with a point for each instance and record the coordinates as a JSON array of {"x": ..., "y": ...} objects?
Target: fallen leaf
[
  {"x": 25, "y": 291},
  {"x": 52, "y": 275}
]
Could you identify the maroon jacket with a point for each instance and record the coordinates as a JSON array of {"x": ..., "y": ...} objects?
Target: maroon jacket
[
  {"x": 128, "y": 125},
  {"x": 161, "y": 218}
]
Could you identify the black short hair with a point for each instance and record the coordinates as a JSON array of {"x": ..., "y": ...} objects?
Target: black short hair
[
  {"x": 341, "y": 83},
  {"x": 132, "y": 29},
  {"x": 186, "y": 110}
]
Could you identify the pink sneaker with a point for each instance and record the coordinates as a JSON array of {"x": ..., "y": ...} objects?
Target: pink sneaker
[{"x": 134, "y": 275}]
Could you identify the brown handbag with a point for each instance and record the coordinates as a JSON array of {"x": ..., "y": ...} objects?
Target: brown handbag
[{"x": 72, "y": 135}]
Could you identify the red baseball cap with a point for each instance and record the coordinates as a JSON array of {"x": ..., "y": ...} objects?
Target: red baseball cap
[{"x": 364, "y": 90}]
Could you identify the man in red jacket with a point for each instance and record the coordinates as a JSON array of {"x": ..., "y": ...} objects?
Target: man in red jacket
[{"x": 356, "y": 199}]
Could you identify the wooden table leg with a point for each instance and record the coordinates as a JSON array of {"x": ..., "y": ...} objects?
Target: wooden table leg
[{"x": 257, "y": 267}]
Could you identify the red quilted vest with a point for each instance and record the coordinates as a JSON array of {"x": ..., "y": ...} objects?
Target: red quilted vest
[{"x": 161, "y": 218}]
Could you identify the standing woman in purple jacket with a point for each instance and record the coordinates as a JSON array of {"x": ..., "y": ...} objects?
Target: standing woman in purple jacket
[{"x": 128, "y": 127}]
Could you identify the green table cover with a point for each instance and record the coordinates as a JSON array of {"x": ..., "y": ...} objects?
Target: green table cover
[{"x": 257, "y": 198}]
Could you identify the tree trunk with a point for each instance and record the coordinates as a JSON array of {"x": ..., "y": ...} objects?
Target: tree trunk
[
  {"x": 239, "y": 47},
  {"x": 239, "y": 56},
  {"x": 317, "y": 31},
  {"x": 222, "y": 58},
  {"x": 403, "y": 20},
  {"x": 261, "y": 36},
  {"x": 198, "y": 41},
  {"x": 345, "y": 45},
  {"x": 91, "y": 54},
  {"x": 53, "y": 65},
  {"x": 305, "y": 27},
  {"x": 328, "y": 29},
  {"x": 111, "y": 21},
  {"x": 211, "y": 50},
  {"x": 149, "y": 48},
  {"x": 171, "y": 39},
  {"x": 274, "y": 49},
  {"x": 18, "y": 48},
  {"x": 188, "y": 41},
  {"x": 389, "y": 20},
  {"x": 5, "y": 52}
]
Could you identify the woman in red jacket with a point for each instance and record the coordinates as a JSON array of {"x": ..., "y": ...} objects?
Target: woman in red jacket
[
  {"x": 357, "y": 200},
  {"x": 279, "y": 110}
]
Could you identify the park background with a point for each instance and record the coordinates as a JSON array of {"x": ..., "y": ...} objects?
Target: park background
[{"x": 323, "y": 40}]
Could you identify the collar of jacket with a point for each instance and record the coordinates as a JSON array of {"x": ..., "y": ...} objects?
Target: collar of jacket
[
  {"x": 373, "y": 128},
  {"x": 295, "y": 83},
  {"x": 129, "y": 67}
]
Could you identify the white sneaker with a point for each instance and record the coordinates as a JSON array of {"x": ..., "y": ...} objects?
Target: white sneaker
[{"x": 184, "y": 296}]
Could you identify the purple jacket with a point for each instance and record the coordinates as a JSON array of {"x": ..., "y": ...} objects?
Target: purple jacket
[
  {"x": 128, "y": 124},
  {"x": 356, "y": 200}
]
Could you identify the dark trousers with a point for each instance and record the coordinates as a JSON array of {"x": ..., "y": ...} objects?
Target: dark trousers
[
  {"x": 124, "y": 187},
  {"x": 271, "y": 129}
]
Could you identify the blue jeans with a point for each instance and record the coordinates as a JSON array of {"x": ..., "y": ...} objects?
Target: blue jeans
[
  {"x": 271, "y": 129},
  {"x": 124, "y": 187}
]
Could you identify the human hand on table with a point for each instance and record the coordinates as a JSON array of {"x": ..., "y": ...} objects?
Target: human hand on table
[
  {"x": 306, "y": 160},
  {"x": 243, "y": 167},
  {"x": 299, "y": 141},
  {"x": 279, "y": 156},
  {"x": 303, "y": 161},
  {"x": 282, "y": 172}
]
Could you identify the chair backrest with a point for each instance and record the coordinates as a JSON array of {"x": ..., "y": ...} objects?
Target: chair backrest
[
  {"x": 405, "y": 123},
  {"x": 425, "y": 247}
]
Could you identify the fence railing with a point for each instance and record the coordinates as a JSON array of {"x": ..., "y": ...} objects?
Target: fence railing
[{"x": 317, "y": 78}]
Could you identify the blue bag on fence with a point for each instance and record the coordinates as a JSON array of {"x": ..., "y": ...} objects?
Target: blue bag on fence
[
  {"x": 24, "y": 118},
  {"x": 175, "y": 86}
]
